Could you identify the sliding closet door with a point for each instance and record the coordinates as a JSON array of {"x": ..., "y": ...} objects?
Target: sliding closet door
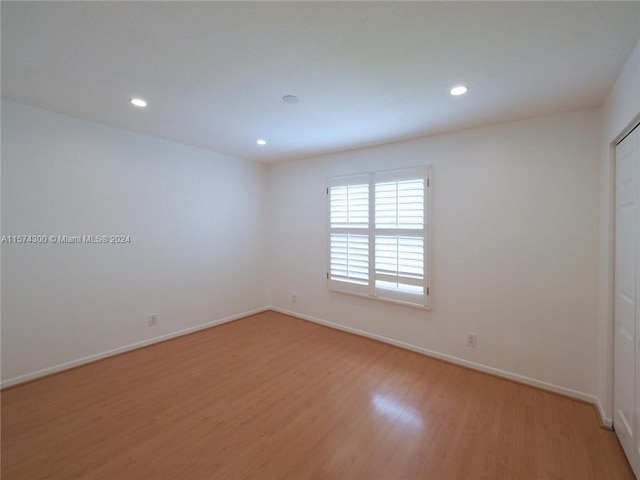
[{"x": 627, "y": 282}]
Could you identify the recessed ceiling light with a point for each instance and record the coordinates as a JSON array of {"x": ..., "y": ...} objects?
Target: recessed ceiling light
[
  {"x": 459, "y": 90},
  {"x": 290, "y": 99},
  {"x": 261, "y": 141},
  {"x": 138, "y": 102}
]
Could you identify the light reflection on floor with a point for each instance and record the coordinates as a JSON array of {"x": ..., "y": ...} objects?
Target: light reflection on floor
[{"x": 394, "y": 409}]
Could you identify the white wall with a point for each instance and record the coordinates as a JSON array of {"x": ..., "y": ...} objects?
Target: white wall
[
  {"x": 620, "y": 111},
  {"x": 196, "y": 220},
  {"x": 514, "y": 247}
]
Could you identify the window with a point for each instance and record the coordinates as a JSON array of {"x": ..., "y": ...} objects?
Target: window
[{"x": 378, "y": 235}]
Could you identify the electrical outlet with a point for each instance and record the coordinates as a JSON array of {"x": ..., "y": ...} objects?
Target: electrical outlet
[
  {"x": 153, "y": 320},
  {"x": 294, "y": 298},
  {"x": 472, "y": 340}
]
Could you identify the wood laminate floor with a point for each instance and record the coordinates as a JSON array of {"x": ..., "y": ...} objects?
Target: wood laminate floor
[{"x": 274, "y": 397}]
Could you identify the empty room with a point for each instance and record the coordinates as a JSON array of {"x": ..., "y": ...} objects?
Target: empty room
[{"x": 320, "y": 240}]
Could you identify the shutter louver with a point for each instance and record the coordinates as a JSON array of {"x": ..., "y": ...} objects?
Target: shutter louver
[
  {"x": 350, "y": 206},
  {"x": 400, "y": 263},
  {"x": 400, "y": 204},
  {"x": 350, "y": 258}
]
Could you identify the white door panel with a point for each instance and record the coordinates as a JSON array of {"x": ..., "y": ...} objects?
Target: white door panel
[
  {"x": 627, "y": 282},
  {"x": 634, "y": 276}
]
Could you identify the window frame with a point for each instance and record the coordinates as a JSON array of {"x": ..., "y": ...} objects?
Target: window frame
[{"x": 370, "y": 290}]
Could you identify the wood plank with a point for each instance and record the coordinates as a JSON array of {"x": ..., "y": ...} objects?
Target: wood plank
[{"x": 272, "y": 397}]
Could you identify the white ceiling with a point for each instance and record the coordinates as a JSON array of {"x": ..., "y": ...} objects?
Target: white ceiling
[{"x": 365, "y": 72}]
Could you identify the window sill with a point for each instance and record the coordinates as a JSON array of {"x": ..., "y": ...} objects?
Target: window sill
[{"x": 382, "y": 299}]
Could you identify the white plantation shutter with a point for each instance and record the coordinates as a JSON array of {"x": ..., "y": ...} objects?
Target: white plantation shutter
[
  {"x": 350, "y": 258},
  {"x": 379, "y": 235},
  {"x": 399, "y": 203},
  {"x": 349, "y": 208},
  {"x": 400, "y": 262},
  {"x": 400, "y": 235},
  {"x": 350, "y": 205}
]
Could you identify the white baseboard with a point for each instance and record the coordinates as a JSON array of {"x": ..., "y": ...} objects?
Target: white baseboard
[
  {"x": 109, "y": 353},
  {"x": 606, "y": 421},
  {"x": 586, "y": 397}
]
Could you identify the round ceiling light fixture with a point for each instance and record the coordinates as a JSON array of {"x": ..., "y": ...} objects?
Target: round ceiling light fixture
[
  {"x": 138, "y": 102},
  {"x": 261, "y": 141},
  {"x": 290, "y": 99},
  {"x": 459, "y": 90}
]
